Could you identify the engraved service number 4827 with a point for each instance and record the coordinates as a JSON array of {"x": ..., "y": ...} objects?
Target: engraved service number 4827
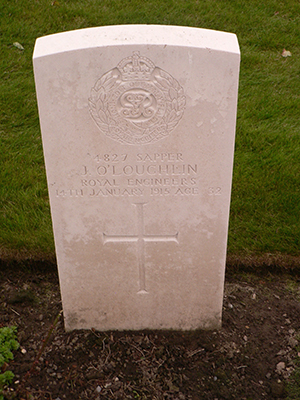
[{"x": 114, "y": 158}]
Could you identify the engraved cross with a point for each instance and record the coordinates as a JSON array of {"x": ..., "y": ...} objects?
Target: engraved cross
[{"x": 140, "y": 239}]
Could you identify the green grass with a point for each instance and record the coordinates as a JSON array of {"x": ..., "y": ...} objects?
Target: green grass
[
  {"x": 8, "y": 343},
  {"x": 266, "y": 192}
]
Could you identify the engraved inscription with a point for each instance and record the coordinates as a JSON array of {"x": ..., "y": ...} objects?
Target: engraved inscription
[
  {"x": 69, "y": 193},
  {"x": 114, "y": 158},
  {"x": 140, "y": 239},
  {"x": 136, "y": 102},
  {"x": 141, "y": 175},
  {"x": 214, "y": 191}
]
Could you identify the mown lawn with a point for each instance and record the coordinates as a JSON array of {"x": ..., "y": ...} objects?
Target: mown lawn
[{"x": 266, "y": 191}]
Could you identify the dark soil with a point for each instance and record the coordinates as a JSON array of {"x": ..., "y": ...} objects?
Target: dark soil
[{"x": 251, "y": 357}]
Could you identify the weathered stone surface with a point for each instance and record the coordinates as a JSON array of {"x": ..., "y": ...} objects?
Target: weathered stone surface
[{"x": 138, "y": 126}]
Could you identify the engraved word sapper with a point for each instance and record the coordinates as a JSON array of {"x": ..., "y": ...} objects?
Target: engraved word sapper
[{"x": 138, "y": 127}]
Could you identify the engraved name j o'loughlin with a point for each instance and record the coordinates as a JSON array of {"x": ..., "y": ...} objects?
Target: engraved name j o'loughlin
[{"x": 136, "y": 102}]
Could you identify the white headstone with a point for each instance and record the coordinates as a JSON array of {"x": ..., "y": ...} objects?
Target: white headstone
[{"x": 138, "y": 126}]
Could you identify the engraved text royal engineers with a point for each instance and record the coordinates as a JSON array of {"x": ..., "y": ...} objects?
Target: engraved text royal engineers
[
  {"x": 138, "y": 130},
  {"x": 136, "y": 102}
]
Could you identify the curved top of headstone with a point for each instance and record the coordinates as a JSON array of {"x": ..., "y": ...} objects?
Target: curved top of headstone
[{"x": 132, "y": 34}]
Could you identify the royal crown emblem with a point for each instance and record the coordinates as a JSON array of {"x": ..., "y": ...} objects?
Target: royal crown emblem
[{"x": 136, "y": 102}]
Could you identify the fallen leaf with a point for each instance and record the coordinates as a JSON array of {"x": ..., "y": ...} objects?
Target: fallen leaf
[
  {"x": 286, "y": 53},
  {"x": 18, "y": 45}
]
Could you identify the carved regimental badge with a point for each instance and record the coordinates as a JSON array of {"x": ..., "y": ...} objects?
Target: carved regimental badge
[{"x": 137, "y": 102}]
